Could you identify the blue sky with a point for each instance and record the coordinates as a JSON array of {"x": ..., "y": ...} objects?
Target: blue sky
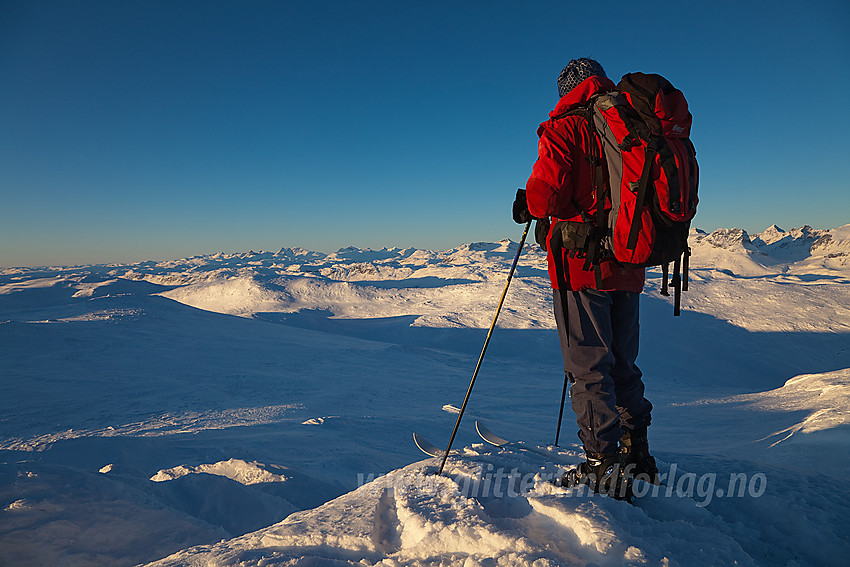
[{"x": 162, "y": 129}]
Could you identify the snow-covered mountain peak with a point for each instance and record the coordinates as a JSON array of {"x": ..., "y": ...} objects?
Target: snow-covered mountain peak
[
  {"x": 770, "y": 235},
  {"x": 842, "y": 232},
  {"x": 299, "y": 254},
  {"x": 728, "y": 238}
]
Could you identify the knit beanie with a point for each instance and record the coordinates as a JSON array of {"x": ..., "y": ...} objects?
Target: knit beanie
[{"x": 577, "y": 71}]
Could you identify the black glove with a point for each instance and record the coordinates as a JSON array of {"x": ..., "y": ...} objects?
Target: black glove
[{"x": 521, "y": 214}]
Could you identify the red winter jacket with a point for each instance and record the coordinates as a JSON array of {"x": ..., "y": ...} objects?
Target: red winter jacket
[{"x": 562, "y": 175}]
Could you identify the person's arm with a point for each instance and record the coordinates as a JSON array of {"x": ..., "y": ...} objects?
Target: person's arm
[{"x": 549, "y": 188}]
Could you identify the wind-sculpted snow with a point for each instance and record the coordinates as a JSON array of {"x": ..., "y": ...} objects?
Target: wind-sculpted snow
[
  {"x": 235, "y": 469},
  {"x": 256, "y": 409},
  {"x": 823, "y": 396},
  {"x": 498, "y": 507},
  {"x": 161, "y": 425}
]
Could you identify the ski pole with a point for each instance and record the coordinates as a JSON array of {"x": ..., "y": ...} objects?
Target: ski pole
[
  {"x": 483, "y": 350},
  {"x": 561, "y": 413}
]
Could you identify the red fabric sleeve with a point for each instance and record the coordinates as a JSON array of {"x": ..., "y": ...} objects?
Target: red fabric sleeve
[{"x": 549, "y": 189}]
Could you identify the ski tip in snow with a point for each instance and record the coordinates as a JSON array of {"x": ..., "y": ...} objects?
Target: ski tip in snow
[
  {"x": 489, "y": 436},
  {"x": 427, "y": 447}
]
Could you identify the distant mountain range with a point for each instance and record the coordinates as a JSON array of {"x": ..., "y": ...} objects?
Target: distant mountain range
[{"x": 830, "y": 248}]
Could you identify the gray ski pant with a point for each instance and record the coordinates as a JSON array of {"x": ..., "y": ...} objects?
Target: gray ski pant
[{"x": 599, "y": 333}]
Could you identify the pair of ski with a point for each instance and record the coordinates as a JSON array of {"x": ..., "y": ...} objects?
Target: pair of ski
[
  {"x": 491, "y": 438},
  {"x": 434, "y": 451},
  {"x": 485, "y": 434}
]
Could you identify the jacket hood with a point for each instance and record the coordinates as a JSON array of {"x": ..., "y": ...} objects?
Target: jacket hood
[{"x": 580, "y": 95}]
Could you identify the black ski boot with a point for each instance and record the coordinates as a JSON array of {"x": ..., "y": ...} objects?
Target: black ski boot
[
  {"x": 603, "y": 473},
  {"x": 637, "y": 461}
]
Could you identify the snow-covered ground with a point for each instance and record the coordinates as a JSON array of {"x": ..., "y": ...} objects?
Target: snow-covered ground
[{"x": 257, "y": 409}]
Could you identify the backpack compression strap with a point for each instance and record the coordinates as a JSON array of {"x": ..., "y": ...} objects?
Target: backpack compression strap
[
  {"x": 680, "y": 280},
  {"x": 643, "y": 183}
]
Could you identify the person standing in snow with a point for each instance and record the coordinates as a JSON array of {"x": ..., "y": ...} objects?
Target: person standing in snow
[{"x": 596, "y": 310}]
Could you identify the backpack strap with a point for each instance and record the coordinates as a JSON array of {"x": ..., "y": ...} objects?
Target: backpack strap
[
  {"x": 680, "y": 279},
  {"x": 634, "y": 230},
  {"x": 594, "y": 251},
  {"x": 677, "y": 287},
  {"x": 593, "y": 248}
]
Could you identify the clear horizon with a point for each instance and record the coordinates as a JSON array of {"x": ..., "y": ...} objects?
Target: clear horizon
[{"x": 165, "y": 130}]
